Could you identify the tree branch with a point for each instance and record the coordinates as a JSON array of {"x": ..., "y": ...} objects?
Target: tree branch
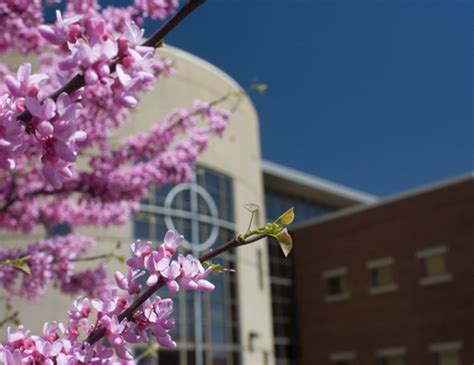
[
  {"x": 13, "y": 198},
  {"x": 142, "y": 298},
  {"x": 78, "y": 81}
]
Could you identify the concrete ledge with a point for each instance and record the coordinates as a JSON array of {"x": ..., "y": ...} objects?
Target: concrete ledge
[
  {"x": 375, "y": 264},
  {"x": 438, "y": 279},
  {"x": 446, "y": 346},
  {"x": 376, "y": 290},
  {"x": 334, "y": 272},
  {"x": 337, "y": 297},
  {"x": 438, "y": 250},
  {"x": 342, "y": 356},
  {"x": 391, "y": 352}
]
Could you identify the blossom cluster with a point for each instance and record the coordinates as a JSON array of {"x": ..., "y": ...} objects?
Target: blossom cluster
[
  {"x": 92, "y": 51},
  {"x": 103, "y": 45},
  {"x": 53, "y": 260},
  {"x": 119, "y": 177},
  {"x": 67, "y": 344},
  {"x": 23, "y": 17}
]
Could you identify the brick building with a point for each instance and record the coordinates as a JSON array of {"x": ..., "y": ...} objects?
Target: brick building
[{"x": 389, "y": 283}]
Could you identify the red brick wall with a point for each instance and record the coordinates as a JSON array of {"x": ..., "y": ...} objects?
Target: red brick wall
[{"x": 413, "y": 316}]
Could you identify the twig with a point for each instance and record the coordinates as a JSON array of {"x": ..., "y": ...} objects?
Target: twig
[
  {"x": 10, "y": 318},
  {"x": 129, "y": 312},
  {"x": 78, "y": 80}
]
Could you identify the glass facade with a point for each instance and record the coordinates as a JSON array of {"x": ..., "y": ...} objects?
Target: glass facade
[
  {"x": 281, "y": 276},
  {"x": 207, "y": 330}
]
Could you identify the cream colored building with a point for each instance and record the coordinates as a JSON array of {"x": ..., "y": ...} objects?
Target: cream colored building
[{"x": 237, "y": 324}]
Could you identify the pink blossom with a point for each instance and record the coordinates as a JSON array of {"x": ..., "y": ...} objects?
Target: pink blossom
[
  {"x": 62, "y": 344},
  {"x": 157, "y": 9}
]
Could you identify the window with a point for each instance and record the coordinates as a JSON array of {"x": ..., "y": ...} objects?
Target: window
[
  {"x": 449, "y": 358},
  {"x": 447, "y": 353},
  {"x": 434, "y": 266},
  {"x": 207, "y": 325},
  {"x": 382, "y": 278},
  {"x": 342, "y": 358},
  {"x": 60, "y": 229},
  {"x": 336, "y": 285},
  {"x": 277, "y": 203},
  {"x": 285, "y": 330},
  {"x": 392, "y": 356}
]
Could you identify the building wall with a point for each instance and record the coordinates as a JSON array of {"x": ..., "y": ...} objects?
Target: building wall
[
  {"x": 237, "y": 155},
  {"x": 412, "y": 317}
]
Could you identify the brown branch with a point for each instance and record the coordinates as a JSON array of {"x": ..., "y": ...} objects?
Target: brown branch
[
  {"x": 129, "y": 312},
  {"x": 71, "y": 189},
  {"x": 9, "y": 318},
  {"x": 13, "y": 198},
  {"x": 154, "y": 41},
  {"x": 92, "y": 258}
]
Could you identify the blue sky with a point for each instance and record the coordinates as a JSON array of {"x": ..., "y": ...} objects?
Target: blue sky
[{"x": 374, "y": 94}]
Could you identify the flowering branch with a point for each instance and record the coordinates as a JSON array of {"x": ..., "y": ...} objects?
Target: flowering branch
[
  {"x": 154, "y": 41},
  {"x": 276, "y": 230},
  {"x": 122, "y": 319},
  {"x": 130, "y": 311}
]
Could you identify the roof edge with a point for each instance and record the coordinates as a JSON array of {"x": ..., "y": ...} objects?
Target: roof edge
[
  {"x": 390, "y": 199},
  {"x": 314, "y": 182},
  {"x": 173, "y": 50}
]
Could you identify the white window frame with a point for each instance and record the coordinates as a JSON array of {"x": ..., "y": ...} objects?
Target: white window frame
[
  {"x": 377, "y": 264},
  {"x": 435, "y": 279},
  {"x": 443, "y": 347},
  {"x": 343, "y": 356},
  {"x": 334, "y": 273},
  {"x": 391, "y": 352}
]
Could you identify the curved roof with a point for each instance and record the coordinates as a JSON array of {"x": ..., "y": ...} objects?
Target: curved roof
[{"x": 174, "y": 51}]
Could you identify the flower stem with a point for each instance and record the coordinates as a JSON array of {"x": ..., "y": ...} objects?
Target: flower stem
[
  {"x": 78, "y": 80},
  {"x": 128, "y": 313}
]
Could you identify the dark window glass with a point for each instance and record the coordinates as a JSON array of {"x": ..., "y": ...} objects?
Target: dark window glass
[
  {"x": 218, "y": 334},
  {"x": 168, "y": 357},
  {"x": 382, "y": 275},
  {"x": 141, "y": 227},
  {"x": 276, "y": 203},
  {"x": 334, "y": 285},
  {"x": 203, "y": 206},
  {"x": 219, "y": 358},
  {"x": 60, "y": 229},
  {"x": 182, "y": 200},
  {"x": 218, "y": 315},
  {"x": 236, "y": 358}
]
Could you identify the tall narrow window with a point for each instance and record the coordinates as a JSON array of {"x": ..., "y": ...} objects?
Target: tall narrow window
[
  {"x": 260, "y": 269},
  {"x": 284, "y": 315}
]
